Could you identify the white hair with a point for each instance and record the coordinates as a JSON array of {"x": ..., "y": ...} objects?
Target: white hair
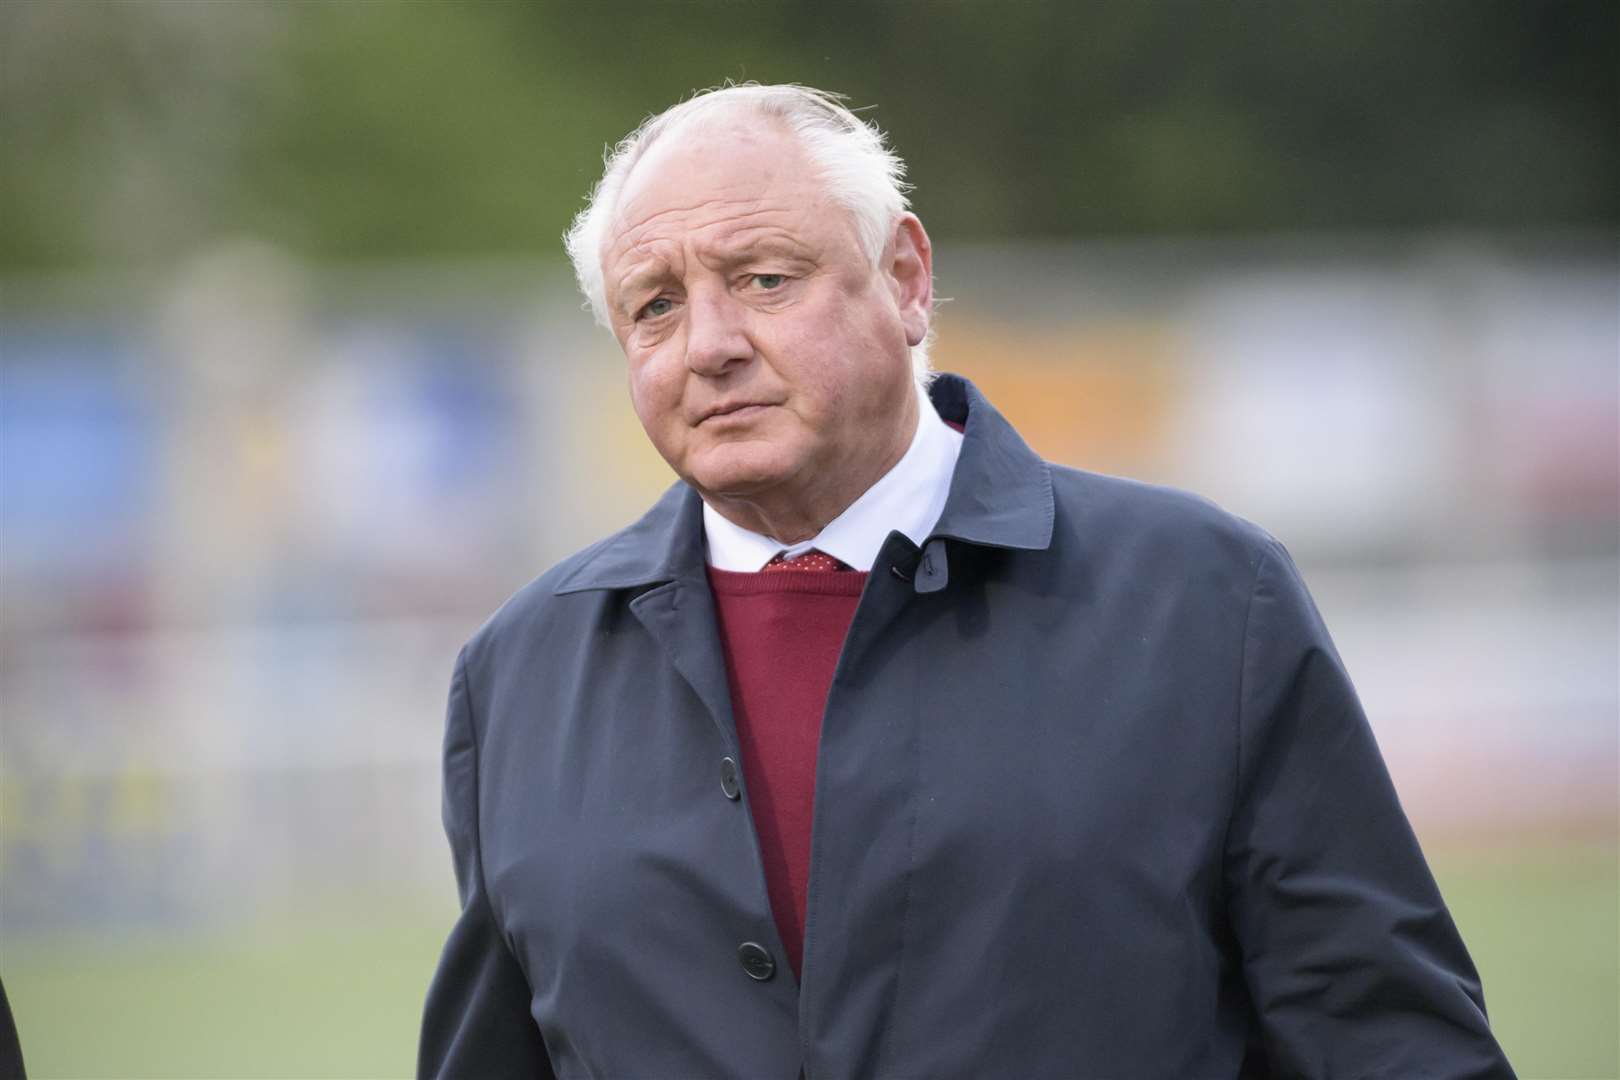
[{"x": 862, "y": 173}]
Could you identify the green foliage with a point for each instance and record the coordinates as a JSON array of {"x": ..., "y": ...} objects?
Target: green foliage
[{"x": 135, "y": 131}]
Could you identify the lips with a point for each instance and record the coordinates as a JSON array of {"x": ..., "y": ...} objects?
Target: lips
[{"x": 731, "y": 408}]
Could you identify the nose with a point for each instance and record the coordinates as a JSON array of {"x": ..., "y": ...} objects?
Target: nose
[{"x": 716, "y": 333}]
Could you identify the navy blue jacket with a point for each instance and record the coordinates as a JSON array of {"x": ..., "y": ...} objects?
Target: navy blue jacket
[{"x": 1095, "y": 798}]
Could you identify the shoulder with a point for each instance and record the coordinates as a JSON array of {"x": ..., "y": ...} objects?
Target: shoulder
[
  {"x": 575, "y": 594},
  {"x": 537, "y": 613},
  {"x": 1128, "y": 521}
]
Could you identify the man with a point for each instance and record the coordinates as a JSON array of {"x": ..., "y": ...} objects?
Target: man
[{"x": 879, "y": 746}]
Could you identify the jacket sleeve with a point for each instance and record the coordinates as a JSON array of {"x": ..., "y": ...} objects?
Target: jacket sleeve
[
  {"x": 476, "y": 1022},
  {"x": 1353, "y": 964}
]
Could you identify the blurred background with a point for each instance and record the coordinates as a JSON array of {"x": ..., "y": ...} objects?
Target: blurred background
[{"x": 294, "y": 390}]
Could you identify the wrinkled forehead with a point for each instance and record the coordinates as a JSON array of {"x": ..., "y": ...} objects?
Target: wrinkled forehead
[{"x": 730, "y": 157}]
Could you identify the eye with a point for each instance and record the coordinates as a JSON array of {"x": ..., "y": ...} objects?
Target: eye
[
  {"x": 660, "y": 305},
  {"x": 770, "y": 281}
]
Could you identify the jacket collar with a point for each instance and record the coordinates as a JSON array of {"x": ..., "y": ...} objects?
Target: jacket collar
[{"x": 1001, "y": 496}]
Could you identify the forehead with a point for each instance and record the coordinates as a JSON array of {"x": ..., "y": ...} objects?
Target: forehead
[{"x": 735, "y": 180}]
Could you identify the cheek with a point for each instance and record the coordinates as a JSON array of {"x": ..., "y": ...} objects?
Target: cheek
[
  {"x": 864, "y": 356},
  {"x": 655, "y": 392},
  {"x": 839, "y": 339}
]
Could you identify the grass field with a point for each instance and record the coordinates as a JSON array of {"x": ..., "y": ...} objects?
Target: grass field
[
  {"x": 343, "y": 999},
  {"x": 1543, "y": 926}
]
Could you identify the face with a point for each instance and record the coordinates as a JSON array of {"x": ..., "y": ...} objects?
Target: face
[{"x": 769, "y": 358}]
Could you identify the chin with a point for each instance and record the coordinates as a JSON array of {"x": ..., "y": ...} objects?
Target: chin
[{"x": 738, "y": 475}]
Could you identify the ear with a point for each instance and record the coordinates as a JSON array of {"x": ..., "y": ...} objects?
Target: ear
[{"x": 911, "y": 276}]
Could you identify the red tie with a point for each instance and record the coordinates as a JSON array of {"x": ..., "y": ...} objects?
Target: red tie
[{"x": 810, "y": 560}]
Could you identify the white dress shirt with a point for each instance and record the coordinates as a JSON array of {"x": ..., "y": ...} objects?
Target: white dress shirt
[{"x": 909, "y": 498}]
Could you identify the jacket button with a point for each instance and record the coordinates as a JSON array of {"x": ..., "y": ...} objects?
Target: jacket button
[
  {"x": 756, "y": 960},
  {"x": 728, "y": 779}
]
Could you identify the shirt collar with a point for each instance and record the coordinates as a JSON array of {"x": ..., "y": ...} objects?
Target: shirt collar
[
  {"x": 908, "y": 498},
  {"x": 1000, "y": 496}
]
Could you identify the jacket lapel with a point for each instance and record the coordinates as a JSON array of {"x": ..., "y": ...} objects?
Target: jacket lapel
[
  {"x": 680, "y": 617},
  {"x": 661, "y": 559}
]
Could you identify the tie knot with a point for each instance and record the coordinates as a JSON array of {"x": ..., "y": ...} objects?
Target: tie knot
[{"x": 810, "y": 560}]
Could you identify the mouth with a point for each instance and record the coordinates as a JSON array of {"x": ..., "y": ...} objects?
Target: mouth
[{"x": 733, "y": 410}]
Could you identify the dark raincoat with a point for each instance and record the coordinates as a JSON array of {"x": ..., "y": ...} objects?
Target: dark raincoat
[{"x": 1095, "y": 798}]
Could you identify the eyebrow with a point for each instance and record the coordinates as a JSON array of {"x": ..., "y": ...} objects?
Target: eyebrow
[
  {"x": 642, "y": 279},
  {"x": 735, "y": 253}
]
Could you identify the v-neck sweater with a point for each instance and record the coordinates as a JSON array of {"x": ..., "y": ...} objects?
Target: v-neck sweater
[{"x": 782, "y": 633}]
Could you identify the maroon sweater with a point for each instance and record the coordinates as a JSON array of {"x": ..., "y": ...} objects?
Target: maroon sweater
[{"x": 782, "y": 633}]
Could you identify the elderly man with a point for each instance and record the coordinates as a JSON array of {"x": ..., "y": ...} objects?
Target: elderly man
[{"x": 880, "y": 746}]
